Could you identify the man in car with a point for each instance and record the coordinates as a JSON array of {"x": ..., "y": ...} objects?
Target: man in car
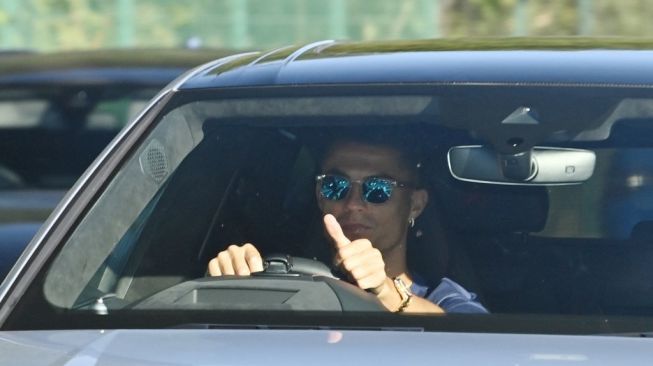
[{"x": 369, "y": 194}]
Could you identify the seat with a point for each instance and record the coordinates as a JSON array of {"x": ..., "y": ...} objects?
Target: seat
[{"x": 481, "y": 229}]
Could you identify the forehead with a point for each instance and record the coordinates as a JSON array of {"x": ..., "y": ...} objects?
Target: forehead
[{"x": 354, "y": 158}]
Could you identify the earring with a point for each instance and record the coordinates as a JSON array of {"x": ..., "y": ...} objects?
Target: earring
[{"x": 411, "y": 221}]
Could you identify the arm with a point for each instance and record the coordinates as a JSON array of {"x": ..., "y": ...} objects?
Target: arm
[
  {"x": 392, "y": 299},
  {"x": 365, "y": 266}
]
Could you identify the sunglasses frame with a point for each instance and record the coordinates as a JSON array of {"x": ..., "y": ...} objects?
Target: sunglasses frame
[{"x": 393, "y": 182}]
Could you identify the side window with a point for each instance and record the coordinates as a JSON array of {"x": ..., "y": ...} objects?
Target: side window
[
  {"x": 22, "y": 113},
  {"x": 121, "y": 203},
  {"x": 115, "y": 113}
]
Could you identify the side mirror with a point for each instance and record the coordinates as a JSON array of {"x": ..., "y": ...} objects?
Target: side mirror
[{"x": 537, "y": 166}]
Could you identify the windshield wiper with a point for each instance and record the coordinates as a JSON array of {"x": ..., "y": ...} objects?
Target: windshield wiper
[
  {"x": 294, "y": 327},
  {"x": 647, "y": 334}
]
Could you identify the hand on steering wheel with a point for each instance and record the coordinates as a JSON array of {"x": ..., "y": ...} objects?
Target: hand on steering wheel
[
  {"x": 236, "y": 260},
  {"x": 359, "y": 259}
]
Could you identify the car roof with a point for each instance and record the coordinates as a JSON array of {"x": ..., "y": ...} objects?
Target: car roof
[
  {"x": 136, "y": 66},
  {"x": 607, "y": 61}
]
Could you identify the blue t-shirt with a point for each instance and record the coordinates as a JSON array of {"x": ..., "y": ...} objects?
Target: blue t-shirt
[{"x": 450, "y": 296}]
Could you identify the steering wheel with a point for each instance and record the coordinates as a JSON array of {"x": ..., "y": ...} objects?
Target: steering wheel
[
  {"x": 287, "y": 283},
  {"x": 285, "y": 264}
]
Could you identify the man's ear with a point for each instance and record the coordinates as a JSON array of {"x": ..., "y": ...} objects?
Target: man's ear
[{"x": 418, "y": 200}]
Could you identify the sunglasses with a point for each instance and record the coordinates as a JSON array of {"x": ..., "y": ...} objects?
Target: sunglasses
[{"x": 335, "y": 187}]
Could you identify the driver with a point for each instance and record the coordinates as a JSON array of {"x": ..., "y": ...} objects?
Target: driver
[{"x": 369, "y": 196}]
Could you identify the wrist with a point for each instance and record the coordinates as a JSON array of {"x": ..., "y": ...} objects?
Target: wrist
[
  {"x": 404, "y": 292},
  {"x": 388, "y": 294},
  {"x": 395, "y": 295}
]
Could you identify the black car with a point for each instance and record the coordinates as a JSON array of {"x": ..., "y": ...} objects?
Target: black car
[
  {"x": 57, "y": 112},
  {"x": 459, "y": 202}
]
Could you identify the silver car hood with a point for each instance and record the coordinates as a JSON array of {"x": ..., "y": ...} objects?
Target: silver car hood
[{"x": 314, "y": 347}]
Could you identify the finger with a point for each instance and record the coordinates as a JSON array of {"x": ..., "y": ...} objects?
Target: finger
[
  {"x": 224, "y": 261},
  {"x": 370, "y": 257},
  {"x": 238, "y": 260},
  {"x": 374, "y": 282},
  {"x": 253, "y": 258},
  {"x": 355, "y": 248},
  {"x": 337, "y": 260},
  {"x": 335, "y": 231},
  {"x": 362, "y": 272},
  {"x": 214, "y": 267}
]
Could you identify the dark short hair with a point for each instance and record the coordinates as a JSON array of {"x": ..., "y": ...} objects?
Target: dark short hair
[{"x": 402, "y": 139}]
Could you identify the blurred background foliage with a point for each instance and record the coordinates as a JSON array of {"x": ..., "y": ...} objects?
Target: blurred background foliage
[{"x": 49, "y": 25}]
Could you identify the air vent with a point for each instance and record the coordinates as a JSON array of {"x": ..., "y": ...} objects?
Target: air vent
[{"x": 154, "y": 162}]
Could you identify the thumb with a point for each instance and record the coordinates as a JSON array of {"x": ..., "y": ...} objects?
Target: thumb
[{"x": 335, "y": 231}]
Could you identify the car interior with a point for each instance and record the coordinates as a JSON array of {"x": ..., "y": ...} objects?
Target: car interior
[{"x": 207, "y": 182}]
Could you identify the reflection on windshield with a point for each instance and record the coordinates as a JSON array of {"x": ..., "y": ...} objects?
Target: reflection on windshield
[{"x": 214, "y": 173}]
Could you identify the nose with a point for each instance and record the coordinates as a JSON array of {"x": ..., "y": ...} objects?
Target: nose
[{"x": 354, "y": 200}]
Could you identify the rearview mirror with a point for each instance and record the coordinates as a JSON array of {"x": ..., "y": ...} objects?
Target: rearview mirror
[{"x": 538, "y": 166}]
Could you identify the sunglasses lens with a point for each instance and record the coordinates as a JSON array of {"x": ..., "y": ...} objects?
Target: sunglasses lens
[
  {"x": 377, "y": 190},
  {"x": 334, "y": 188}
]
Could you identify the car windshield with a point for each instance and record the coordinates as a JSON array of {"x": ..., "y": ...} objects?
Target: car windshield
[{"x": 569, "y": 233}]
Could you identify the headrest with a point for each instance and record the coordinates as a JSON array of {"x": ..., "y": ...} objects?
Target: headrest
[
  {"x": 475, "y": 207},
  {"x": 632, "y": 132}
]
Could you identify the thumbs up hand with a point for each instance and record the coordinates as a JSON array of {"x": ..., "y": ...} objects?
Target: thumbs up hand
[{"x": 358, "y": 258}]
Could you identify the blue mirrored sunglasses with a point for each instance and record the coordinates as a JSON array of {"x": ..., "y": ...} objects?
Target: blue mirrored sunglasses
[{"x": 373, "y": 189}]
